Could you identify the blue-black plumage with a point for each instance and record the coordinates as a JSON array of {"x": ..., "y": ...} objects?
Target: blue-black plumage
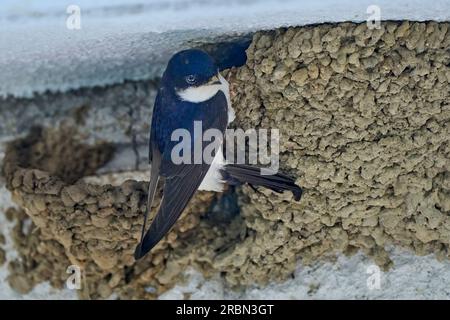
[{"x": 192, "y": 91}]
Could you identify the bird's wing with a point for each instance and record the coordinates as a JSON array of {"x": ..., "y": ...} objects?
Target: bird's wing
[
  {"x": 181, "y": 181},
  {"x": 155, "y": 158},
  {"x": 178, "y": 190},
  {"x": 154, "y": 178}
]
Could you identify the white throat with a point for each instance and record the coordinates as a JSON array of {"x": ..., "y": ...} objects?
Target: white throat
[
  {"x": 206, "y": 92},
  {"x": 201, "y": 93}
]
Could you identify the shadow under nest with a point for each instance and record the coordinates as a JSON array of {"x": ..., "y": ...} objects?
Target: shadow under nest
[{"x": 97, "y": 227}]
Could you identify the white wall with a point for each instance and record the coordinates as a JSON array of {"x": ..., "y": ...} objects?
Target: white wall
[{"x": 122, "y": 39}]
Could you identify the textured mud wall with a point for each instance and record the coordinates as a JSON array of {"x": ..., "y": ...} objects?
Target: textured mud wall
[
  {"x": 365, "y": 123},
  {"x": 95, "y": 227},
  {"x": 364, "y": 117}
]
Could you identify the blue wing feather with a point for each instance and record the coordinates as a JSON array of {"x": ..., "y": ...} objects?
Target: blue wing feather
[{"x": 181, "y": 180}]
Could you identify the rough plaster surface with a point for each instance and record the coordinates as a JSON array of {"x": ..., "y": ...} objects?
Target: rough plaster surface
[
  {"x": 409, "y": 111},
  {"x": 412, "y": 277},
  {"x": 132, "y": 40}
]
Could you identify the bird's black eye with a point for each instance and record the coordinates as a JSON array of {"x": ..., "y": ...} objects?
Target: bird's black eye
[{"x": 190, "y": 79}]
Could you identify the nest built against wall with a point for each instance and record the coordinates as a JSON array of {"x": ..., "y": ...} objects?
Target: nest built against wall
[{"x": 364, "y": 117}]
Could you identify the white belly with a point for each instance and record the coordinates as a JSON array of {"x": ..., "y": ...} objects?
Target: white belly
[{"x": 213, "y": 180}]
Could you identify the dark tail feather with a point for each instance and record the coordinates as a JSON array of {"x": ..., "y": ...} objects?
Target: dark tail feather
[{"x": 279, "y": 182}]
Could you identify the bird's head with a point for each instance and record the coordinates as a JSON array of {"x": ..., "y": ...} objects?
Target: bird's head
[{"x": 192, "y": 74}]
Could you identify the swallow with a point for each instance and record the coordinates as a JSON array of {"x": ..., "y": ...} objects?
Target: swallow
[{"x": 192, "y": 90}]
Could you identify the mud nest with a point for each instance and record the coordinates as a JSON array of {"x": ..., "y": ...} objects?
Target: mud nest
[
  {"x": 95, "y": 227},
  {"x": 364, "y": 121},
  {"x": 364, "y": 118}
]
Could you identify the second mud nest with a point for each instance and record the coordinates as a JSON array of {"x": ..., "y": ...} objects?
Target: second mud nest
[{"x": 94, "y": 227}]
